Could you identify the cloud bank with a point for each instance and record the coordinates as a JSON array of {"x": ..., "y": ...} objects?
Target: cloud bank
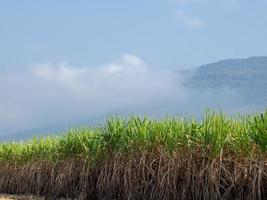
[
  {"x": 50, "y": 94},
  {"x": 62, "y": 95}
]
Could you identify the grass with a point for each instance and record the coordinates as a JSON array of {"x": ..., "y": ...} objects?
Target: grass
[
  {"x": 215, "y": 133},
  {"x": 218, "y": 157}
]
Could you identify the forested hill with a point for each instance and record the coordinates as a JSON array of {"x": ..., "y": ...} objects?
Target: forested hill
[{"x": 247, "y": 77}]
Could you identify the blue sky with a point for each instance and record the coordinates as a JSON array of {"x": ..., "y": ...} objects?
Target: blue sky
[
  {"x": 69, "y": 61},
  {"x": 166, "y": 33}
]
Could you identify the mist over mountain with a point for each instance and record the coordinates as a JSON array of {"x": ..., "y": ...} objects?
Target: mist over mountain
[
  {"x": 234, "y": 85},
  {"x": 244, "y": 78}
]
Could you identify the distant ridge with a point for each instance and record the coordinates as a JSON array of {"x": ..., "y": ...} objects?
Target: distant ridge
[
  {"x": 238, "y": 84},
  {"x": 244, "y": 60},
  {"x": 247, "y": 77},
  {"x": 252, "y": 63}
]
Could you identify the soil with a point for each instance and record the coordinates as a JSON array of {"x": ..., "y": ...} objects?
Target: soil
[{"x": 18, "y": 197}]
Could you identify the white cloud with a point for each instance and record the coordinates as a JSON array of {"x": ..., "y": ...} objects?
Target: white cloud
[
  {"x": 51, "y": 94},
  {"x": 189, "y": 21},
  {"x": 47, "y": 95}
]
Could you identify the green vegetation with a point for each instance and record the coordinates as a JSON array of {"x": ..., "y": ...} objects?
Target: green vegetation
[
  {"x": 215, "y": 133},
  {"x": 218, "y": 157}
]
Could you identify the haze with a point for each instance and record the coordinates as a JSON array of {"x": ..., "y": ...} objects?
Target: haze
[{"x": 64, "y": 62}]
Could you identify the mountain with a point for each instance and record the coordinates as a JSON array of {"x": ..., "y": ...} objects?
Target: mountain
[
  {"x": 38, "y": 132},
  {"x": 247, "y": 78},
  {"x": 235, "y": 85},
  {"x": 51, "y": 130}
]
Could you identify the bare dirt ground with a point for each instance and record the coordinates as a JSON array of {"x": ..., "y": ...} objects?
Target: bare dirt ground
[
  {"x": 26, "y": 197},
  {"x": 19, "y": 197}
]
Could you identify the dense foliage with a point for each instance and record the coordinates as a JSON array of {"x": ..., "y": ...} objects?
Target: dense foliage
[{"x": 215, "y": 133}]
